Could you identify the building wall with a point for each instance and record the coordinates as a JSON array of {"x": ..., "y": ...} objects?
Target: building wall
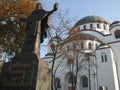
[
  {"x": 103, "y": 73},
  {"x": 115, "y": 45},
  {"x": 107, "y": 73}
]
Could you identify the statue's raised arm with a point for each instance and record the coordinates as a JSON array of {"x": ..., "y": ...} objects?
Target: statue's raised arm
[
  {"x": 55, "y": 6},
  {"x": 45, "y": 22}
]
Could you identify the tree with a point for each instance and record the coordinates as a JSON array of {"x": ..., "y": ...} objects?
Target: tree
[
  {"x": 69, "y": 49},
  {"x": 12, "y": 30},
  {"x": 61, "y": 34},
  {"x": 59, "y": 29}
]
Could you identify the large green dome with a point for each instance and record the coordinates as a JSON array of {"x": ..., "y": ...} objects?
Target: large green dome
[{"x": 90, "y": 19}]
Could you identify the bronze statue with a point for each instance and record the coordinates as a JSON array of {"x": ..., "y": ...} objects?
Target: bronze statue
[
  {"x": 37, "y": 23},
  {"x": 39, "y": 14}
]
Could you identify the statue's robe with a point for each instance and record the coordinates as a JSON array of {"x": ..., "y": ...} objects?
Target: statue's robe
[
  {"x": 32, "y": 22},
  {"x": 37, "y": 17}
]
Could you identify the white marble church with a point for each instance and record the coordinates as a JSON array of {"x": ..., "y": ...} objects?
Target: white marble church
[{"x": 95, "y": 59}]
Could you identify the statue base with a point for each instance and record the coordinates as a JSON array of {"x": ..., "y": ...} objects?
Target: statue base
[
  {"x": 44, "y": 77},
  {"x": 24, "y": 73}
]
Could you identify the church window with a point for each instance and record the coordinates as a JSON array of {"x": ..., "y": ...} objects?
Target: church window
[
  {"x": 90, "y": 46},
  {"x": 104, "y": 57},
  {"x": 71, "y": 79},
  {"x": 57, "y": 81},
  {"x": 91, "y": 26},
  {"x": 106, "y": 88},
  {"x": 101, "y": 88},
  {"x": 117, "y": 34},
  {"x": 104, "y": 27},
  {"x": 84, "y": 26},
  {"x": 84, "y": 82},
  {"x": 98, "y": 26}
]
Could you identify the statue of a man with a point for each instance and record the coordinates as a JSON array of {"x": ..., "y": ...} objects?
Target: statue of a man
[
  {"x": 39, "y": 14},
  {"x": 37, "y": 22}
]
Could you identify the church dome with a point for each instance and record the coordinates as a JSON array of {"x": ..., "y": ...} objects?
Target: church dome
[
  {"x": 89, "y": 19},
  {"x": 115, "y": 22}
]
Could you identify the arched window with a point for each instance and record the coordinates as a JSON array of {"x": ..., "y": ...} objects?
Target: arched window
[
  {"x": 71, "y": 82},
  {"x": 91, "y": 26},
  {"x": 98, "y": 26},
  {"x": 78, "y": 28},
  {"x": 71, "y": 79},
  {"x": 84, "y": 26},
  {"x": 117, "y": 34},
  {"x": 101, "y": 88},
  {"x": 89, "y": 46},
  {"x": 104, "y": 27},
  {"x": 84, "y": 81},
  {"x": 106, "y": 88},
  {"x": 104, "y": 57},
  {"x": 57, "y": 81}
]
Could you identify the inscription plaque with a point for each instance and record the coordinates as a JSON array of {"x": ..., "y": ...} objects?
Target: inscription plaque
[{"x": 20, "y": 74}]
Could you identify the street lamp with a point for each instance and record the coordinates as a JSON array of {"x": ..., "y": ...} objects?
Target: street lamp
[
  {"x": 88, "y": 54},
  {"x": 94, "y": 74},
  {"x": 89, "y": 70},
  {"x": 88, "y": 59}
]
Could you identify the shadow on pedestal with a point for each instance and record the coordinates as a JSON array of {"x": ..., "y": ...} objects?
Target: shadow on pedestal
[{"x": 20, "y": 73}]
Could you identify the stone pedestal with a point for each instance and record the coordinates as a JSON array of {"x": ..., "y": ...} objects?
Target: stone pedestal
[
  {"x": 44, "y": 77},
  {"x": 24, "y": 73}
]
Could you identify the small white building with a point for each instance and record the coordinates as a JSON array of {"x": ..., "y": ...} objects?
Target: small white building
[{"x": 94, "y": 56}]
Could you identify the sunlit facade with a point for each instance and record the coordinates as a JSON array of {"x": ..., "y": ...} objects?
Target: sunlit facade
[{"x": 93, "y": 58}]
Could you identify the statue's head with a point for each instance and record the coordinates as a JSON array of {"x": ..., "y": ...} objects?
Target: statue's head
[{"x": 39, "y": 6}]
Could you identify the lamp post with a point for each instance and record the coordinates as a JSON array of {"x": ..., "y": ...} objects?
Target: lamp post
[
  {"x": 89, "y": 73},
  {"x": 94, "y": 74},
  {"x": 88, "y": 54}
]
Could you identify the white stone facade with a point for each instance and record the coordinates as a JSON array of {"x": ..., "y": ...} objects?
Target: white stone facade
[{"x": 99, "y": 64}]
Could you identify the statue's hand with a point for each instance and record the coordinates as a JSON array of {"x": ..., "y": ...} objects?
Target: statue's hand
[{"x": 55, "y": 6}]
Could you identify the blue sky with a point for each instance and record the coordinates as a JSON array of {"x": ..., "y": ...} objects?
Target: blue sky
[{"x": 108, "y": 9}]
